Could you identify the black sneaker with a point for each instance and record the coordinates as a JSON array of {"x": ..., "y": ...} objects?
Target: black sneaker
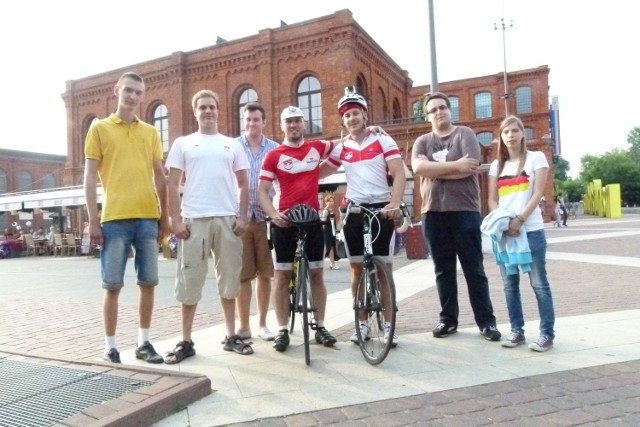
[
  {"x": 112, "y": 356},
  {"x": 443, "y": 329},
  {"x": 490, "y": 333},
  {"x": 147, "y": 353},
  {"x": 282, "y": 340},
  {"x": 324, "y": 337}
]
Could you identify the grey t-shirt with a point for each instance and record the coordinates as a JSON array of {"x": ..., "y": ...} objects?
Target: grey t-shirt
[{"x": 445, "y": 195}]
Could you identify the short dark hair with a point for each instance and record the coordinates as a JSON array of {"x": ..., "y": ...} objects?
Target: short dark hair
[
  {"x": 436, "y": 95},
  {"x": 131, "y": 75},
  {"x": 254, "y": 106}
]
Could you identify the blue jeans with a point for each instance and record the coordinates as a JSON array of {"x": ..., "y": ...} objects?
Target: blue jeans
[
  {"x": 456, "y": 236},
  {"x": 539, "y": 283},
  {"x": 118, "y": 238}
]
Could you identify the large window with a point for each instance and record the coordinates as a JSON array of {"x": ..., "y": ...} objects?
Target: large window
[
  {"x": 523, "y": 100},
  {"x": 3, "y": 181},
  {"x": 455, "y": 108},
  {"x": 161, "y": 122},
  {"x": 485, "y": 138},
  {"x": 47, "y": 181},
  {"x": 528, "y": 134},
  {"x": 247, "y": 96},
  {"x": 310, "y": 101},
  {"x": 418, "y": 111},
  {"x": 483, "y": 105},
  {"x": 25, "y": 181},
  {"x": 397, "y": 111}
]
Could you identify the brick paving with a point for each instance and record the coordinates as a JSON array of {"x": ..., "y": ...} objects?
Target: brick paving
[{"x": 58, "y": 326}]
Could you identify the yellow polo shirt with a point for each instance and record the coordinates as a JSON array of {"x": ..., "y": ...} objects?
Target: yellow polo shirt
[{"x": 126, "y": 152}]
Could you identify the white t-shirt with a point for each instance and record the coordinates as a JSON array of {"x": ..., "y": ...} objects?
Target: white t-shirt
[
  {"x": 514, "y": 192},
  {"x": 209, "y": 163}
]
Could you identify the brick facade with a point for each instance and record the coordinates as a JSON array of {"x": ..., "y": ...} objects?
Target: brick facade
[{"x": 334, "y": 49}]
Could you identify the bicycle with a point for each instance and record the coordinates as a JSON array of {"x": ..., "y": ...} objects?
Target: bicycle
[
  {"x": 369, "y": 292},
  {"x": 300, "y": 295}
]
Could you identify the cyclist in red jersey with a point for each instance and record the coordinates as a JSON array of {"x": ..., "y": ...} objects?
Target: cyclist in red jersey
[{"x": 293, "y": 170}]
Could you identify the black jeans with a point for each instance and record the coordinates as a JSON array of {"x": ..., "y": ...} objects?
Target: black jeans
[{"x": 452, "y": 235}]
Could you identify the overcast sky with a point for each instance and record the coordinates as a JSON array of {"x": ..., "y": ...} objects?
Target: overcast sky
[{"x": 590, "y": 47}]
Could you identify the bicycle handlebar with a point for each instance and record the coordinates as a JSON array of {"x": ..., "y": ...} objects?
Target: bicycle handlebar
[{"x": 406, "y": 218}]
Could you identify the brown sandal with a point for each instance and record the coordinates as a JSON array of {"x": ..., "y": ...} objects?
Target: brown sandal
[
  {"x": 235, "y": 343},
  {"x": 182, "y": 351}
]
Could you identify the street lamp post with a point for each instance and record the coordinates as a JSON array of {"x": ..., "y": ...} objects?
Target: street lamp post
[{"x": 504, "y": 27}]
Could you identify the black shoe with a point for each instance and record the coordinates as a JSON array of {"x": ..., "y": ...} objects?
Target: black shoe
[
  {"x": 112, "y": 356},
  {"x": 490, "y": 333},
  {"x": 282, "y": 340},
  {"x": 443, "y": 329},
  {"x": 147, "y": 353},
  {"x": 324, "y": 337}
]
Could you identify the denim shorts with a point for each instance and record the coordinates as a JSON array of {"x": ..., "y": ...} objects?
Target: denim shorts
[{"x": 119, "y": 238}]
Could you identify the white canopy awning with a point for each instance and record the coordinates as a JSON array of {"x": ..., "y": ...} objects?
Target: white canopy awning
[{"x": 57, "y": 197}]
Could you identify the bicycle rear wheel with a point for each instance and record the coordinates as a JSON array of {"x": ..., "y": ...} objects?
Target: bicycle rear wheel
[
  {"x": 302, "y": 289},
  {"x": 380, "y": 312}
]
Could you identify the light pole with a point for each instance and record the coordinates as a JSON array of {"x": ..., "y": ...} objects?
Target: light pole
[{"x": 504, "y": 27}]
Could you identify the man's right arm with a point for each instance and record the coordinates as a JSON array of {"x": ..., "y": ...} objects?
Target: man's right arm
[
  {"x": 91, "y": 198},
  {"x": 178, "y": 227}
]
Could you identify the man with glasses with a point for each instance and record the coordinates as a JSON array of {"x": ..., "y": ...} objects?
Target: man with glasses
[{"x": 447, "y": 160}]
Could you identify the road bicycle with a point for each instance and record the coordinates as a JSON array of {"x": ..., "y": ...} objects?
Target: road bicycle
[
  {"x": 300, "y": 295},
  {"x": 375, "y": 281}
]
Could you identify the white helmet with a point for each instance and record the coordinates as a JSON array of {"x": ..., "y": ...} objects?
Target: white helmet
[{"x": 351, "y": 97}]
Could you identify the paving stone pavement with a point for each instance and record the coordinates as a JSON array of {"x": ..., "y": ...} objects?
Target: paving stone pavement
[{"x": 52, "y": 308}]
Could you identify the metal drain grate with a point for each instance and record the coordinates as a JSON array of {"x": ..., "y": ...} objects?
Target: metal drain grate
[{"x": 33, "y": 394}]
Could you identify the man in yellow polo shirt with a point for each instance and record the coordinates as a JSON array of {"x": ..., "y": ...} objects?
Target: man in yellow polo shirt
[{"x": 125, "y": 154}]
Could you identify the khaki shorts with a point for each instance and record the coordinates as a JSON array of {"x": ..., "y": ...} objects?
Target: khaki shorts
[
  {"x": 211, "y": 234},
  {"x": 256, "y": 255}
]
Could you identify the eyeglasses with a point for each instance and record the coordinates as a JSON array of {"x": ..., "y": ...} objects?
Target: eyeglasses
[{"x": 436, "y": 109}]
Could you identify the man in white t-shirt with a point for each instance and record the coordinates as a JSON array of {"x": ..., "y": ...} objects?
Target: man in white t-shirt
[{"x": 208, "y": 219}]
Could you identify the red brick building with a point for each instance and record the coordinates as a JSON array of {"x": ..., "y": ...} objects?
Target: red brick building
[{"x": 307, "y": 64}]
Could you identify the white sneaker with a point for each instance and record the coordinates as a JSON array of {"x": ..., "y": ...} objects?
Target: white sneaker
[
  {"x": 266, "y": 334},
  {"x": 364, "y": 331},
  {"x": 387, "y": 329}
]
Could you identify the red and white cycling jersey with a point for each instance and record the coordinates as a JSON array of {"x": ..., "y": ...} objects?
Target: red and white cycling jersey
[
  {"x": 365, "y": 167},
  {"x": 295, "y": 172}
]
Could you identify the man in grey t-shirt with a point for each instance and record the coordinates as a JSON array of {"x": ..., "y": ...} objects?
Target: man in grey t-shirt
[{"x": 447, "y": 161}]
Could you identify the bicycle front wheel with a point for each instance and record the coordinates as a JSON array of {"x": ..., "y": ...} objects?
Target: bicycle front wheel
[
  {"x": 293, "y": 298},
  {"x": 303, "y": 291},
  {"x": 376, "y": 298}
]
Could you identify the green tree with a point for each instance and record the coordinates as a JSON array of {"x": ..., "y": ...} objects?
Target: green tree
[
  {"x": 614, "y": 167},
  {"x": 573, "y": 189},
  {"x": 560, "y": 169},
  {"x": 634, "y": 141}
]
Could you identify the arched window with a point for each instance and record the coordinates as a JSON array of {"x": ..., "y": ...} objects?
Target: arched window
[
  {"x": 310, "y": 102},
  {"x": 523, "y": 100},
  {"x": 528, "y": 134},
  {"x": 361, "y": 87},
  {"x": 25, "y": 181},
  {"x": 48, "y": 181},
  {"x": 247, "y": 96},
  {"x": 455, "y": 108},
  {"x": 396, "y": 115},
  {"x": 3, "y": 181},
  {"x": 381, "y": 111},
  {"x": 161, "y": 122},
  {"x": 485, "y": 138},
  {"x": 483, "y": 105},
  {"x": 417, "y": 111}
]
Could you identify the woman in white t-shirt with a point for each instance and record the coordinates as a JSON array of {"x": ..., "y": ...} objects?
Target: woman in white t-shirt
[{"x": 517, "y": 179}]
